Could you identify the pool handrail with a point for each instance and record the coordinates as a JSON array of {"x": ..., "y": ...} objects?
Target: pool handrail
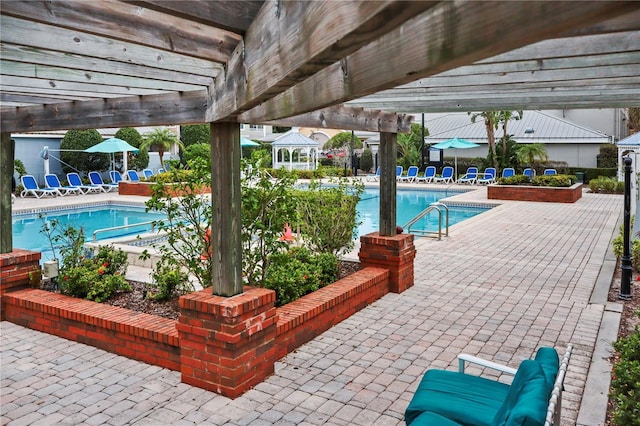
[
  {"x": 115, "y": 228},
  {"x": 433, "y": 206}
]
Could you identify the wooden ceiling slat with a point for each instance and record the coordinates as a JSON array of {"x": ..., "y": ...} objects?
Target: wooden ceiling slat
[
  {"x": 70, "y": 75},
  {"x": 30, "y": 85},
  {"x": 235, "y": 15},
  {"x": 131, "y": 111},
  {"x": 38, "y": 35},
  {"x": 443, "y": 38},
  {"x": 290, "y": 41},
  {"x": 37, "y": 56},
  {"x": 350, "y": 118},
  {"x": 131, "y": 23}
]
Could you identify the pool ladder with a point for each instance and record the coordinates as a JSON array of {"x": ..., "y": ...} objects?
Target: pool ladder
[
  {"x": 117, "y": 228},
  {"x": 433, "y": 206}
]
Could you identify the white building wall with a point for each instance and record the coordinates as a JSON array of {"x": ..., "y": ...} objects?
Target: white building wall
[{"x": 606, "y": 120}]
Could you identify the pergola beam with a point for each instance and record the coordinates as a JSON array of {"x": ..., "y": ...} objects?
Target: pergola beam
[
  {"x": 448, "y": 36},
  {"x": 288, "y": 42},
  {"x": 127, "y": 22}
]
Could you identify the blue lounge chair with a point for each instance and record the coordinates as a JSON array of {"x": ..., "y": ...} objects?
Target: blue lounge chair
[
  {"x": 96, "y": 179},
  {"x": 508, "y": 172},
  {"x": 429, "y": 174},
  {"x": 446, "y": 177},
  {"x": 530, "y": 173},
  {"x": 133, "y": 176},
  {"x": 31, "y": 187},
  {"x": 115, "y": 176},
  {"x": 399, "y": 170},
  {"x": 469, "y": 177},
  {"x": 412, "y": 173},
  {"x": 375, "y": 176},
  {"x": 147, "y": 173},
  {"x": 160, "y": 170},
  {"x": 52, "y": 181},
  {"x": 550, "y": 172},
  {"x": 74, "y": 180},
  {"x": 488, "y": 177}
]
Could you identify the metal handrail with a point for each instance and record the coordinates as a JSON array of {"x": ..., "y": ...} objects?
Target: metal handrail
[
  {"x": 115, "y": 228},
  {"x": 433, "y": 206}
]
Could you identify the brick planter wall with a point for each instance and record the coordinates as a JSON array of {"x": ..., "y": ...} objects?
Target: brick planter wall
[
  {"x": 18, "y": 269},
  {"x": 304, "y": 319},
  {"x": 144, "y": 189},
  {"x": 535, "y": 193},
  {"x": 393, "y": 253},
  {"x": 136, "y": 335},
  {"x": 235, "y": 341}
]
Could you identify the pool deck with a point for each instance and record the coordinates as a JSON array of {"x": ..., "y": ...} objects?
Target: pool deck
[{"x": 504, "y": 283}]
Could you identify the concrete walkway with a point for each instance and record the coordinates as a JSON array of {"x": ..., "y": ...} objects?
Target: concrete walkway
[{"x": 503, "y": 284}]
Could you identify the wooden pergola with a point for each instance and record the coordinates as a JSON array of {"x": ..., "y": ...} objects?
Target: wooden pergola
[{"x": 109, "y": 64}]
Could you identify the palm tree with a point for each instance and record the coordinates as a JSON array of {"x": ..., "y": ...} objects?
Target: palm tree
[
  {"x": 504, "y": 118},
  {"x": 161, "y": 140},
  {"x": 529, "y": 152},
  {"x": 491, "y": 120}
]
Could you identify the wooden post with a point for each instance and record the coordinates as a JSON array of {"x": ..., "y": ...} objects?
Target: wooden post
[
  {"x": 225, "y": 199},
  {"x": 388, "y": 161},
  {"x": 7, "y": 149}
]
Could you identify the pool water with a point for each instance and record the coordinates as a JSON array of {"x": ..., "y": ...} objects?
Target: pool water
[
  {"x": 409, "y": 203},
  {"x": 27, "y": 235}
]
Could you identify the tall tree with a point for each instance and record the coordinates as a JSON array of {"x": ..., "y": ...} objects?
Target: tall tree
[
  {"x": 633, "y": 116},
  {"x": 161, "y": 140},
  {"x": 491, "y": 120},
  {"x": 504, "y": 117},
  {"x": 528, "y": 153}
]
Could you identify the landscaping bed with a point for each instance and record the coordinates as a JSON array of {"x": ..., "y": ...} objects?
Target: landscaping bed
[{"x": 535, "y": 193}]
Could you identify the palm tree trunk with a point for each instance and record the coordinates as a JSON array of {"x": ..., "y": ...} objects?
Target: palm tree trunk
[{"x": 492, "y": 141}]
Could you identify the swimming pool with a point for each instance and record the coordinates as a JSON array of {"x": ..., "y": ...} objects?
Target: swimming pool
[
  {"x": 26, "y": 227},
  {"x": 409, "y": 203}
]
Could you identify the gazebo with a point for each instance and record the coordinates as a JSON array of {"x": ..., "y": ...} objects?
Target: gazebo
[{"x": 294, "y": 142}]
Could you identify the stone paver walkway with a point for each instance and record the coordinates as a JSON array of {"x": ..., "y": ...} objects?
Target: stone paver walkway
[{"x": 503, "y": 284}]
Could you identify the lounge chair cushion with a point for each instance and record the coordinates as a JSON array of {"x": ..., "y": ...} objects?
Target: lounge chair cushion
[
  {"x": 445, "y": 392},
  {"x": 550, "y": 363},
  {"x": 433, "y": 419},
  {"x": 526, "y": 402}
]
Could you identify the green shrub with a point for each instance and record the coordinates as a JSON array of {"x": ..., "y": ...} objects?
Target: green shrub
[
  {"x": 606, "y": 185},
  {"x": 19, "y": 166},
  {"x": 515, "y": 180},
  {"x": 80, "y": 140},
  {"x": 556, "y": 181},
  {"x": 327, "y": 215},
  {"x": 168, "y": 281},
  {"x": 198, "y": 150},
  {"x": 625, "y": 386},
  {"x": 135, "y": 161},
  {"x": 608, "y": 155},
  {"x": 297, "y": 271},
  {"x": 366, "y": 160}
]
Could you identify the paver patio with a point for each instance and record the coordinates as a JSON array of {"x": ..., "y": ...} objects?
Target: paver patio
[{"x": 503, "y": 284}]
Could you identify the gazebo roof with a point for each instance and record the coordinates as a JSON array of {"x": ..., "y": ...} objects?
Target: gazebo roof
[
  {"x": 294, "y": 139},
  {"x": 633, "y": 140}
]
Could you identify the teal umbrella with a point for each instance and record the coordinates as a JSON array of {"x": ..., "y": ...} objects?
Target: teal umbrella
[
  {"x": 247, "y": 142},
  {"x": 111, "y": 146},
  {"x": 455, "y": 143}
]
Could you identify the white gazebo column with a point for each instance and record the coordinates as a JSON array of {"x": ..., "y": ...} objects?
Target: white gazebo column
[{"x": 291, "y": 151}]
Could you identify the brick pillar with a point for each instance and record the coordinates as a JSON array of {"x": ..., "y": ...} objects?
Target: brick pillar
[
  {"x": 19, "y": 269},
  {"x": 393, "y": 253},
  {"x": 227, "y": 344}
]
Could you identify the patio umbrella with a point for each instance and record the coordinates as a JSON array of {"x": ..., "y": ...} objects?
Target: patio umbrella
[
  {"x": 111, "y": 146},
  {"x": 455, "y": 143},
  {"x": 247, "y": 142}
]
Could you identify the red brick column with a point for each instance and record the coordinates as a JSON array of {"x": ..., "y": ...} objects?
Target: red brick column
[
  {"x": 393, "y": 253},
  {"x": 19, "y": 269},
  {"x": 227, "y": 343}
]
